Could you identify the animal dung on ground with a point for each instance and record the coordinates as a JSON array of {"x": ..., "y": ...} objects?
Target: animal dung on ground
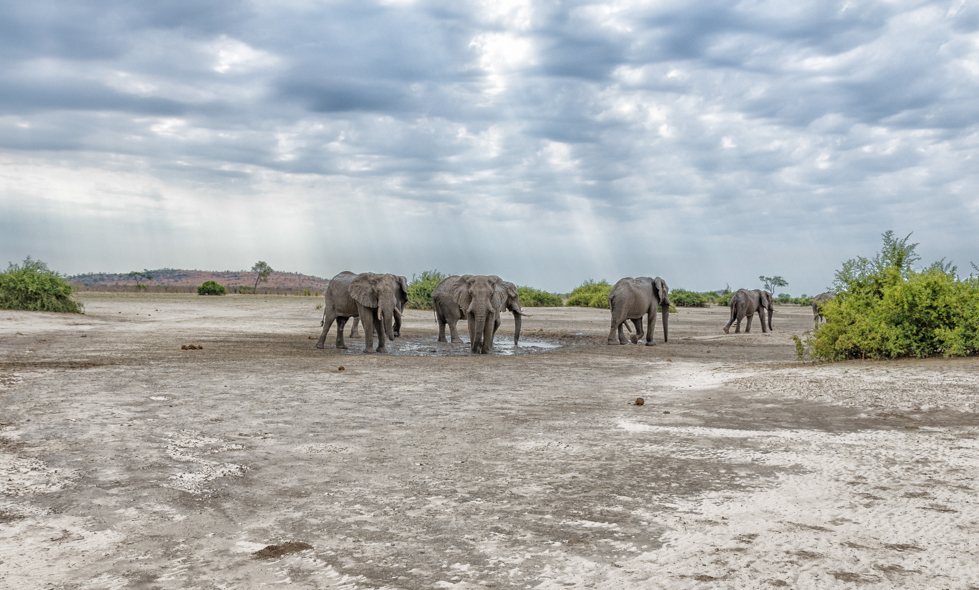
[
  {"x": 274, "y": 551},
  {"x": 666, "y": 412},
  {"x": 912, "y": 427},
  {"x": 639, "y": 401},
  {"x": 341, "y": 369},
  {"x": 191, "y": 347}
]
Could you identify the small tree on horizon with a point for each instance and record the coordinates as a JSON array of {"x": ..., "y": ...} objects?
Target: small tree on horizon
[
  {"x": 264, "y": 272},
  {"x": 140, "y": 276},
  {"x": 772, "y": 283}
]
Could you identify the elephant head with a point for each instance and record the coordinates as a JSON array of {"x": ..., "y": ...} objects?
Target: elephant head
[
  {"x": 767, "y": 303},
  {"x": 479, "y": 300},
  {"x": 401, "y": 299},
  {"x": 511, "y": 301},
  {"x": 379, "y": 292}
]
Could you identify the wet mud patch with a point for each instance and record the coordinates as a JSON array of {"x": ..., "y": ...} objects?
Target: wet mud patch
[
  {"x": 276, "y": 551},
  {"x": 432, "y": 347}
]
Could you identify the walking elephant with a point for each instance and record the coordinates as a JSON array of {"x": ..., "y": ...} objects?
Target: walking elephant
[
  {"x": 745, "y": 304},
  {"x": 375, "y": 298},
  {"x": 479, "y": 299},
  {"x": 817, "y": 305},
  {"x": 631, "y": 299}
]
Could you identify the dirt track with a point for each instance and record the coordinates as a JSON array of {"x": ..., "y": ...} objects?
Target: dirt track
[{"x": 126, "y": 462}]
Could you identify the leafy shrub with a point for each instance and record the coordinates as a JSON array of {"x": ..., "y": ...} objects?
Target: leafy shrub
[
  {"x": 211, "y": 288},
  {"x": 684, "y": 298},
  {"x": 725, "y": 299},
  {"x": 784, "y": 298},
  {"x": 420, "y": 289},
  {"x": 533, "y": 298},
  {"x": 590, "y": 294},
  {"x": 32, "y": 286},
  {"x": 884, "y": 309}
]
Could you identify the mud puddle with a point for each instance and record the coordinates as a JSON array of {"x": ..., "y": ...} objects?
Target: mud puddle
[{"x": 432, "y": 347}]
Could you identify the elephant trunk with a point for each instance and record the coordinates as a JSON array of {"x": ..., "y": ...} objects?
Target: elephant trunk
[
  {"x": 479, "y": 324},
  {"x": 666, "y": 322},
  {"x": 517, "y": 318},
  {"x": 397, "y": 322},
  {"x": 387, "y": 321}
]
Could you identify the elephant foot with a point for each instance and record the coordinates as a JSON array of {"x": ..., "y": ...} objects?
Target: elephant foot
[
  {"x": 442, "y": 339},
  {"x": 634, "y": 339},
  {"x": 341, "y": 347},
  {"x": 368, "y": 351},
  {"x": 320, "y": 346},
  {"x": 614, "y": 343},
  {"x": 727, "y": 330},
  {"x": 651, "y": 343},
  {"x": 382, "y": 349}
]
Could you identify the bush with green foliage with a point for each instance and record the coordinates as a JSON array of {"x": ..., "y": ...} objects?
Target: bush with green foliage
[
  {"x": 886, "y": 310},
  {"x": 211, "y": 288},
  {"x": 684, "y": 298},
  {"x": 32, "y": 286},
  {"x": 530, "y": 297},
  {"x": 420, "y": 289},
  {"x": 590, "y": 294},
  {"x": 725, "y": 299}
]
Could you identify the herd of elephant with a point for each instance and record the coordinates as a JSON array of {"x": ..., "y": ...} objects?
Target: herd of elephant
[{"x": 482, "y": 299}]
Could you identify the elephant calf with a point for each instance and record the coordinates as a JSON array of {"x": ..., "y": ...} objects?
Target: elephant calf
[
  {"x": 630, "y": 299},
  {"x": 745, "y": 304}
]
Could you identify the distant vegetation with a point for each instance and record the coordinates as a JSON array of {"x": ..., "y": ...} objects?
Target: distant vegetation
[
  {"x": 884, "y": 309},
  {"x": 32, "y": 286},
  {"x": 530, "y": 297},
  {"x": 211, "y": 288},
  {"x": 420, "y": 289},
  {"x": 684, "y": 298},
  {"x": 590, "y": 294}
]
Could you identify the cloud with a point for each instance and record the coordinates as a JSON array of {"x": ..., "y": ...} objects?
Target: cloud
[{"x": 704, "y": 142}]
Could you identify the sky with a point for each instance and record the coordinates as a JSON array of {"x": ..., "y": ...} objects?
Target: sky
[{"x": 547, "y": 142}]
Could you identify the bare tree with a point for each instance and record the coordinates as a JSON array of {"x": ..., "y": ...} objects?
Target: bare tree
[{"x": 264, "y": 272}]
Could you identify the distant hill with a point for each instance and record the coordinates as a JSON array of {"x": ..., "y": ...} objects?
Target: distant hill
[{"x": 172, "y": 277}]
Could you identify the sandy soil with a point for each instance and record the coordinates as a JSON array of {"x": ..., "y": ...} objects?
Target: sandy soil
[{"x": 126, "y": 462}]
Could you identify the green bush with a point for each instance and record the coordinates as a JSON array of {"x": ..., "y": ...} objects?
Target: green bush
[
  {"x": 590, "y": 294},
  {"x": 885, "y": 310},
  {"x": 420, "y": 289},
  {"x": 32, "y": 286},
  {"x": 211, "y": 288},
  {"x": 725, "y": 299},
  {"x": 684, "y": 298},
  {"x": 530, "y": 297}
]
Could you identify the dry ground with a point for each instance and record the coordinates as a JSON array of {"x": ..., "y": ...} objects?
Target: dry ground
[{"x": 126, "y": 462}]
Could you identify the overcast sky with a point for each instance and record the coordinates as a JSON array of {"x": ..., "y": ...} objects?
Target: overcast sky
[{"x": 547, "y": 142}]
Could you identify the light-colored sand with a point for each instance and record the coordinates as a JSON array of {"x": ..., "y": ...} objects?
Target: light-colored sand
[{"x": 126, "y": 462}]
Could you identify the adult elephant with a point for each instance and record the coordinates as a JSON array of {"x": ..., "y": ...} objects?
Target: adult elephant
[
  {"x": 402, "y": 301},
  {"x": 365, "y": 295},
  {"x": 817, "y": 305},
  {"x": 745, "y": 304},
  {"x": 631, "y": 299},
  {"x": 479, "y": 299}
]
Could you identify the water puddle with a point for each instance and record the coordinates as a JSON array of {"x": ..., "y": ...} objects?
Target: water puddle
[{"x": 432, "y": 347}]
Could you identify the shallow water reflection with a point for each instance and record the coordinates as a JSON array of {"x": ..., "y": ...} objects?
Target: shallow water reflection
[{"x": 502, "y": 346}]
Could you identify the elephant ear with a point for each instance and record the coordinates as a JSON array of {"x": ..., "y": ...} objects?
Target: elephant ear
[
  {"x": 461, "y": 294},
  {"x": 363, "y": 291},
  {"x": 403, "y": 283},
  {"x": 662, "y": 291},
  {"x": 511, "y": 290}
]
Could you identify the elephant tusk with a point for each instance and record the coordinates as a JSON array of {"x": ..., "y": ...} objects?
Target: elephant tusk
[{"x": 397, "y": 313}]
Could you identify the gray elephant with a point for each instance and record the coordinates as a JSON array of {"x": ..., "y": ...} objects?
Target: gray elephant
[
  {"x": 745, "y": 304},
  {"x": 365, "y": 295},
  {"x": 817, "y": 305},
  {"x": 631, "y": 299},
  {"x": 479, "y": 299},
  {"x": 402, "y": 301}
]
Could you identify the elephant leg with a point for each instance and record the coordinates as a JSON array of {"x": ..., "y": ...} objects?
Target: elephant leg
[
  {"x": 761, "y": 318},
  {"x": 367, "y": 320},
  {"x": 328, "y": 319},
  {"x": 454, "y": 331},
  {"x": 341, "y": 322},
  {"x": 639, "y": 333},
  {"x": 353, "y": 331},
  {"x": 615, "y": 333},
  {"x": 727, "y": 328},
  {"x": 650, "y": 326},
  {"x": 441, "y": 322},
  {"x": 748, "y": 327}
]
